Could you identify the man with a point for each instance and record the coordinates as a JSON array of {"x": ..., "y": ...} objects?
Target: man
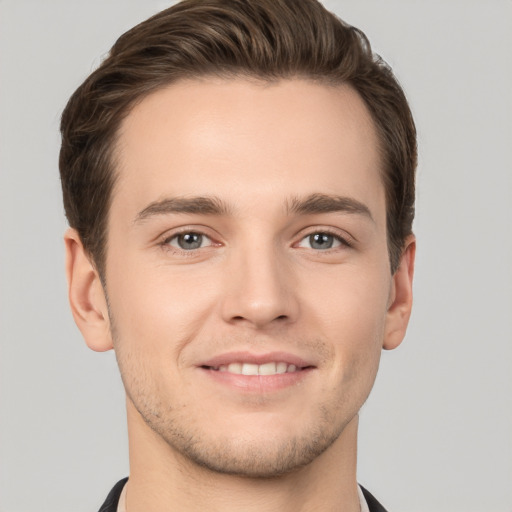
[{"x": 239, "y": 181}]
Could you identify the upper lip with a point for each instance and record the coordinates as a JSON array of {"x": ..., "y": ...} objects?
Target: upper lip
[{"x": 253, "y": 358}]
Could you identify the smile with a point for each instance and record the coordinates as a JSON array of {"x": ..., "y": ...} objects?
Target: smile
[
  {"x": 271, "y": 368},
  {"x": 248, "y": 372}
]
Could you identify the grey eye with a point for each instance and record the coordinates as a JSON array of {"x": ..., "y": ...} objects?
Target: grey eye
[
  {"x": 320, "y": 241},
  {"x": 189, "y": 241}
]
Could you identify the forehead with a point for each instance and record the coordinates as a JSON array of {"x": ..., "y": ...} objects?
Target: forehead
[{"x": 246, "y": 139}]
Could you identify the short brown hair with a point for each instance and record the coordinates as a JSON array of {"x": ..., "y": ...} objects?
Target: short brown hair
[{"x": 267, "y": 39}]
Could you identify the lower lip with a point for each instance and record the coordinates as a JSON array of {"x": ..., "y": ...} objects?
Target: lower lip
[{"x": 258, "y": 383}]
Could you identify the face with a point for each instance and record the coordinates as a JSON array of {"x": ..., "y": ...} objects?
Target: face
[{"x": 247, "y": 270}]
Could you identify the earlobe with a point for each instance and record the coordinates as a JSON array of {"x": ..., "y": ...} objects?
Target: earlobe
[
  {"x": 399, "y": 310},
  {"x": 86, "y": 295}
]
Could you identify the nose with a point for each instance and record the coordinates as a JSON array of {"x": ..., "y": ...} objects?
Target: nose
[{"x": 259, "y": 290}]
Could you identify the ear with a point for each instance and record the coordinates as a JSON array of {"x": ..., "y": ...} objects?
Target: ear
[
  {"x": 400, "y": 300},
  {"x": 86, "y": 295}
]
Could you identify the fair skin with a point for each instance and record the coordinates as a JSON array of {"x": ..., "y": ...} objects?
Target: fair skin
[{"x": 247, "y": 234}]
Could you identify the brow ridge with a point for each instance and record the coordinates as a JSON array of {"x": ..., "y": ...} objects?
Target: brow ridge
[
  {"x": 315, "y": 203},
  {"x": 327, "y": 203},
  {"x": 195, "y": 205}
]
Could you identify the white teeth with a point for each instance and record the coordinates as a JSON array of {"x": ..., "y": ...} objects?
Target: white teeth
[
  {"x": 255, "y": 369},
  {"x": 267, "y": 369},
  {"x": 281, "y": 367},
  {"x": 249, "y": 369},
  {"x": 235, "y": 368}
]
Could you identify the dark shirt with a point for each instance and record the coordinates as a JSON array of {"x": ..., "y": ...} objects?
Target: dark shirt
[{"x": 112, "y": 500}]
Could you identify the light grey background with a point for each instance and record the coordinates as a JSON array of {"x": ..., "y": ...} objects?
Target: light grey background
[{"x": 436, "y": 434}]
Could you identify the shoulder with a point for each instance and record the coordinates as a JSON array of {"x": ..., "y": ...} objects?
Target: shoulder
[{"x": 112, "y": 500}]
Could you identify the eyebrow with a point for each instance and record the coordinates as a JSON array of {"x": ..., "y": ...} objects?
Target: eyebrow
[
  {"x": 325, "y": 203},
  {"x": 195, "y": 205},
  {"x": 312, "y": 204}
]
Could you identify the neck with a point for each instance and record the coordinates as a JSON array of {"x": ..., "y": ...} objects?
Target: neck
[{"x": 165, "y": 481}]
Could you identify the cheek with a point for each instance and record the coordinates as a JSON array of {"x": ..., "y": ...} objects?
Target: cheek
[
  {"x": 352, "y": 317},
  {"x": 153, "y": 318},
  {"x": 357, "y": 336},
  {"x": 158, "y": 310},
  {"x": 353, "y": 305}
]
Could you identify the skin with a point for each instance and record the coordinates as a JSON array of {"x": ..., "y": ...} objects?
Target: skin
[{"x": 259, "y": 156}]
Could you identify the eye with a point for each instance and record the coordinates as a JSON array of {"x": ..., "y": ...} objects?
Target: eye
[
  {"x": 189, "y": 241},
  {"x": 321, "y": 241}
]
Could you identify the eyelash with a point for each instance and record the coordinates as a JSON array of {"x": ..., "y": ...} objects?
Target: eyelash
[
  {"x": 165, "y": 243},
  {"x": 341, "y": 239}
]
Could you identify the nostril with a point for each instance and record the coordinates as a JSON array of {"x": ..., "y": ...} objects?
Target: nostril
[{"x": 239, "y": 318}]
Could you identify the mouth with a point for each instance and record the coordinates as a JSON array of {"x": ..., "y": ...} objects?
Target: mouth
[
  {"x": 257, "y": 372},
  {"x": 243, "y": 368}
]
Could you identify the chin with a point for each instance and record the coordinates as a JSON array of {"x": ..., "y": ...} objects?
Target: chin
[
  {"x": 256, "y": 451},
  {"x": 250, "y": 459}
]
